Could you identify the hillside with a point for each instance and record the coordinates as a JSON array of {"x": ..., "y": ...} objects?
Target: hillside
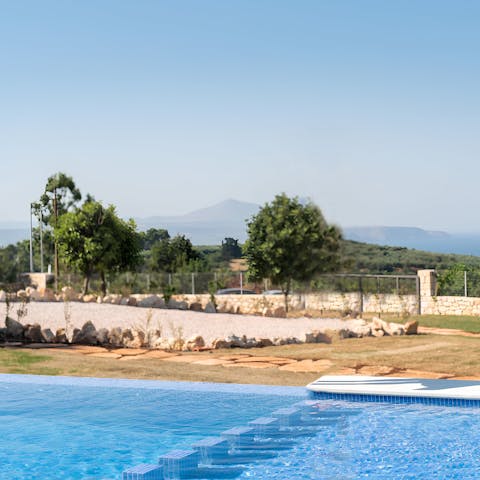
[{"x": 368, "y": 258}]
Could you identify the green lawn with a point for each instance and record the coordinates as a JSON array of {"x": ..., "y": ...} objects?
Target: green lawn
[{"x": 459, "y": 322}]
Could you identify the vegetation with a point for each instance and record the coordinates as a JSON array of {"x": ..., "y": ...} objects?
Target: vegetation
[
  {"x": 288, "y": 241},
  {"x": 94, "y": 239}
]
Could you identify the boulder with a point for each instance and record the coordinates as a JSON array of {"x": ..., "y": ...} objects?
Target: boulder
[
  {"x": 102, "y": 336},
  {"x": 360, "y": 331},
  {"x": 131, "y": 302},
  {"x": 210, "y": 308},
  {"x": 264, "y": 342},
  {"x": 47, "y": 335},
  {"x": 221, "y": 343},
  {"x": 237, "y": 342},
  {"x": 68, "y": 294},
  {"x": 32, "y": 293},
  {"x": 33, "y": 333},
  {"x": 279, "y": 312},
  {"x": 115, "y": 337},
  {"x": 89, "y": 298},
  {"x": 86, "y": 336},
  {"x": 22, "y": 294},
  {"x": 151, "y": 301},
  {"x": 196, "y": 307},
  {"x": 378, "y": 333},
  {"x": 14, "y": 329},
  {"x": 411, "y": 327},
  {"x": 317, "y": 337},
  {"x": 3, "y": 296},
  {"x": 195, "y": 343},
  {"x": 177, "y": 304},
  {"x": 395, "y": 329},
  {"x": 133, "y": 338},
  {"x": 61, "y": 336},
  {"x": 47, "y": 295}
]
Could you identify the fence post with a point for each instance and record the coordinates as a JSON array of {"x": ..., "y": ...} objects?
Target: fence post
[
  {"x": 170, "y": 279},
  {"x": 241, "y": 283},
  {"x": 397, "y": 285},
  {"x": 148, "y": 282},
  {"x": 193, "y": 284},
  {"x": 465, "y": 283},
  {"x": 360, "y": 290}
]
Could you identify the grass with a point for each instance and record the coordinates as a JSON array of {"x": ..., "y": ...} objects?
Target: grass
[
  {"x": 423, "y": 354},
  {"x": 459, "y": 322}
]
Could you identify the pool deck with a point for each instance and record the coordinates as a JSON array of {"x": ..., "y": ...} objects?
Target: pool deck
[{"x": 396, "y": 386}]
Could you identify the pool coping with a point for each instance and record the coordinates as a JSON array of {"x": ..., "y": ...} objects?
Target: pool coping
[
  {"x": 414, "y": 388},
  {"x": 100, "y": 382}
]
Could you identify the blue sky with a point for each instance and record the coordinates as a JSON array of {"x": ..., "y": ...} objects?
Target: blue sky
[{"x": 371, "y": 108}]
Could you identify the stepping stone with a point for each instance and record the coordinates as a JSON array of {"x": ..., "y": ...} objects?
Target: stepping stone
[
  {"x": 159, "y": 354},
  {"x": 86, "y": 349},
  {"x": 251, "y": 365},
  {"x": 239, "y": 436},
  {"x": 266, "y": 359},
  {"x": 144, "y": 471},
  {"x": 183, "y": 358},
  {"x": 307, "y": 366},
  {"x": 288, "y": 417},
  {"x": 211, "y": 448},
  {"x": 265, "y": 425},
  {"x": 104, "y": 355},
  {"x": 130, "y": 351},
  {"x": 234, "y": 357},
  {"x": 212, "y": 361}
]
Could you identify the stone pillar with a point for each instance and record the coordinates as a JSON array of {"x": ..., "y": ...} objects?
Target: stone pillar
[{"x": 428, "y": 283}]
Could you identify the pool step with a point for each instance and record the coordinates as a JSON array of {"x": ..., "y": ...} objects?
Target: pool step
[
  {"x": 145, "y": 471},
  {"x": 179, "y": 463}
]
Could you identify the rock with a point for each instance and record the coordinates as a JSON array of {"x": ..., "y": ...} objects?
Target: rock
[
  {"x": 68, "y": 294},
  {"x": 22, "y": 294},
  {"x": 177, "y": 304},
  {"x": 221, "y": 343},
  {"x": 251, "y": 343},
  {"x": 378, "y": 333},
  {"x": 152, "y": 301},
  {"x": 279, "y": 312},
  {"x": 48, "y": 336},
  {"x": 411, "y": 327},
  {"x": 395, "y": 329},
  {"x": 131, "y": 302},
  {"x": 33, "y": 333},
  {"x": 115, "y": 337},
  {"x": 32, "y": 293},
  {"x": 210, "y": 308},
  {"x": 47, "y": 295},
  {"x": 379, "y": 324},
  {"x": 61, "y": 336},
  {"x": 102, "y": 336},
  {"x": 86, "y": 336},
  {"x": 195, "y": 343},
  {"x": 264, "y": 342},
  {"x": 360, "y": 331},
  {"x": 3, "y": 296},
  {"x": 133, "y": 339},
  {"x": 317, "y": 337},
  {"x": 196, "y": 307},
  {"x": 89, "y": 299},
  {"x": 236, "y": 342},
  {"x": 14, "y": 329}
]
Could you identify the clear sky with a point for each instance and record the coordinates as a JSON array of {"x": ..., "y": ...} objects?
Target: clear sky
[{"x": 371, "y": 108}]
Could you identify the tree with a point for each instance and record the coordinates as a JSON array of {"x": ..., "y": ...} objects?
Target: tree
[
  {"x": 94, "y": 239},
  {"x": 289, "y": 241},
  {"x": 152, "y": 236},
  {"x": 61, "y": 194},
  {"x": 172, "y": 255},
  {"x": 230, "y": 249}
]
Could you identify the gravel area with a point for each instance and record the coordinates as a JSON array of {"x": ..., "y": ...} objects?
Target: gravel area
[{"x": 210, "y": 326}]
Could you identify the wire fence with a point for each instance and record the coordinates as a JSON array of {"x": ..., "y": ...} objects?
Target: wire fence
[
  {"x": 211, "y": 282},
  {"x": 464, "y": 283}
]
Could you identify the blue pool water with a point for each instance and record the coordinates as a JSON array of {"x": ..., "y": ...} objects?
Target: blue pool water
[{"x": 60, "y": 428}]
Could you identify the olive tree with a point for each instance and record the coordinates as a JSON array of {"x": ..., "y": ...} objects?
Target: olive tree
[{"x": 290, "y": 241}]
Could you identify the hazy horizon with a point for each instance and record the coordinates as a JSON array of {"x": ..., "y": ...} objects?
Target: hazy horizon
[{"x": 369, "y": 108}]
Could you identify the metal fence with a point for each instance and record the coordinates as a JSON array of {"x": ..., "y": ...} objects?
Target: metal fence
[
  {"x": 462, "y": 283},
  {"x": 210, "y": 282}
]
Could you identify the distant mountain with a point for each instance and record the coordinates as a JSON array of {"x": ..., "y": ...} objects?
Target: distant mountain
[
  {"x": 207, "y": 226},
  {"x": 411, "y": 237}
]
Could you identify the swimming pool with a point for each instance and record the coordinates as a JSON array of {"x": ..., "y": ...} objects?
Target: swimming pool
[{"x": 64, "y": 428}]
